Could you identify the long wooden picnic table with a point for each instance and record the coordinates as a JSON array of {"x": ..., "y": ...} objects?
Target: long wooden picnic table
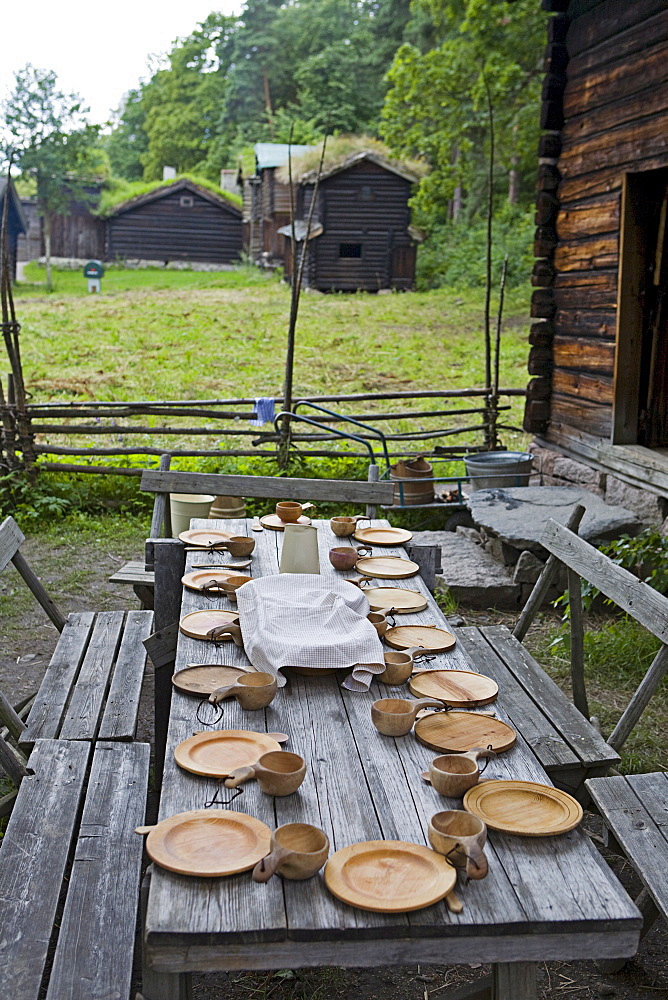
[{"x": 544, "y": 898}]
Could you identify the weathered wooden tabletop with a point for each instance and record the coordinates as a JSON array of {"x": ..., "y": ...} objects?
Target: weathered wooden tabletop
[{"x": 544, "y": 898}]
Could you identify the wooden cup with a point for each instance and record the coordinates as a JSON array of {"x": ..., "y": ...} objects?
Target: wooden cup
[
  {"x": 452, "y": 774},
  {"x": 460, "y": 836},
  {"x": 395, "y": 716},
  {"x": 345, "y": 557},
  {"x": 240, "y": 545},
  {"x": 277, "y": 772},
  {"x": 298, "y": 851},
  {"x": 399, "y": 665},
  {"x": 344, "y": 527},
  {"x": 379, "y": 621},
  {"x": 232, "y": 584},
  {"x": 252, "y": 691},
  {"x": 290, "y": 511}
]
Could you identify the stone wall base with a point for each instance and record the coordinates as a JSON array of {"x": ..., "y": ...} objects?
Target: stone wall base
[{"x": 557, "y": 470}]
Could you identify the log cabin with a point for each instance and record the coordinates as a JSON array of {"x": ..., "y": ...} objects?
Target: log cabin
[
  {"x": 16, "y": 220},
  {"x": 361, "y": 237},
  {"x": 598, "y": 400},
  {"x": 181, "y": 221},
  {"x": 267, "y": 200}
]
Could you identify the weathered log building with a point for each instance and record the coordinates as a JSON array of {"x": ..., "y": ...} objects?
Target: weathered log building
[
  {"x": 267, "y": 200},
  {"x": 361, "y": 237},
  {"x": 181, "y": 221},
  {"x": 16, "y": 221},
  {"x": 599, "y": 353}
]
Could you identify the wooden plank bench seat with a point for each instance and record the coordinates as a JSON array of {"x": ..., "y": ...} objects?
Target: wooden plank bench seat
[
  {"x": 634, "y": 808},
  {"x": 564, "y": 741},
  {"x": 70, "y": 867}
]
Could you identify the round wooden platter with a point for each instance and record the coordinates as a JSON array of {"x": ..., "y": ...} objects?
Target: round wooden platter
[
  {"x": 402, "y": 601},
  {"x": 387, "y": 567},
  {"x": 198, "y": 623},
  {"x": 204, "y": 538},
  {"x": 274, "y": 522},
  {"x": 204, "y": 678},
  {"x": 458, "y": 732},
  {"x": 383, "y": 536},
  {"x": 199, "y": 577},
  {"x": 436, "y": 640},
  {"x": 457, "y": 688},
  {"x": 217, "y": 753},
  {"x": 389, "y": 876},
  {"x": 209, "y": 843},
  {"x": 526, "y": 808}
]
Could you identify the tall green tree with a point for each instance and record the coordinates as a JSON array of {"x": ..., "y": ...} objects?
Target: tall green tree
[
  {"x": 50, "y": 139},
  {"x": 485, "y": 63}
]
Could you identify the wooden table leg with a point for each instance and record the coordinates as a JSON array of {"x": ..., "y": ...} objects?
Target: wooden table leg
[
  {"x": 159, "y": 985},
  {"x": 514, "y": 981}
]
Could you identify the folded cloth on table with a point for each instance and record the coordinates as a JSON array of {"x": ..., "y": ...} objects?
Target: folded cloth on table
[
  {"x": 303, "y": 620},
  {"x": 264, "y": 407}
]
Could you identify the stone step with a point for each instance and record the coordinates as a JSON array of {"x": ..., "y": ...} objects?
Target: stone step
[{"x": 473, "y": 577}]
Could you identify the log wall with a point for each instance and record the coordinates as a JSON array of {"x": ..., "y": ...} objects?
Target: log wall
[{"x": 605, "y": 104}]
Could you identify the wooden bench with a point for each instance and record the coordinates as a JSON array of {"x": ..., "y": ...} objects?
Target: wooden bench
[
  {"x": 568, "y": 746},
  {"x": 634, "y": 808},
  {"x": 70, "y": 867},
  {"x": 92, "y": 685}
]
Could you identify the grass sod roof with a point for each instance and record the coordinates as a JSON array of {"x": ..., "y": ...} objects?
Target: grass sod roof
[
  {"x": 121, "y": 195},
  {"x": 345, "y": 150}
]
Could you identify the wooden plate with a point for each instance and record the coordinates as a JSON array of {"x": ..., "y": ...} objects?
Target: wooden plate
[
  {"x": 204, "y": 538},
  {"x": 205, "y": 678},
  {"x": 208, "y": 842},
  {"x": 403, "y": 601},
  {"x": 526, "y": 808},
  {"x": 437, "y": 640},
  {"x": 383, "y": 536},
  {"x": 198, "y": 623},
  {"x": 389, "y": 876},
  {"x": 457, "y": 688},
  {"x": 274, "y": 522},
  {"x": 457, "y": 732},
  {"x": 195, "y": 579},
  {"x": 217, "y": 753},
  {"x": 387, "y": 567}
]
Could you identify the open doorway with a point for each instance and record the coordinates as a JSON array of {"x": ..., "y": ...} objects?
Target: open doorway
[{"x": 641, "y": 356}]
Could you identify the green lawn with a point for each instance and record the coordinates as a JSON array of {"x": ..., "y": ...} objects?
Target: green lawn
[{"x": 177, "y": 334}]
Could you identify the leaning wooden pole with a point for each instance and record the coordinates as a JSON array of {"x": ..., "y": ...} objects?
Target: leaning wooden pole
[
  {"x": 295, "y": 292},
  {"x": 489, "y": 442}
]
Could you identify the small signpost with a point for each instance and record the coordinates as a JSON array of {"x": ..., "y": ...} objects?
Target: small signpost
[{"x": 94, "y": 271}]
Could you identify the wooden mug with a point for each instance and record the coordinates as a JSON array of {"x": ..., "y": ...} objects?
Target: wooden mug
[
  {"x": 238, "y": 545},
  {"x": 452, "y": 774},
  {"x": 217, "y": 633},
  {"x": 344, "y": 527},
  {"x": 277, "y": 772},
  {"x": 379, "y": 621},
  {"x": 460, "y": 836},
  {"x": 252, "y": 691},
  {"x": 298, "y": 851},
  {"x": 232, "y": 584},
  {"x": 290, "y": 511},
  {"x": 395, "y": 716},
  {"x": 399, "y": 665},
  {"x": 345, "y": 557}
]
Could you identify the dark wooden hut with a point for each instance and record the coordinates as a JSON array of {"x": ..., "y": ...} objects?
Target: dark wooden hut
[
  {"x": 360, "y": 237},
  {"x": 599, "y": 353},
  {"x": 16, "y": 221},
  {"x": 181, "y": 221},
  {"x": 267, "y": 200}
]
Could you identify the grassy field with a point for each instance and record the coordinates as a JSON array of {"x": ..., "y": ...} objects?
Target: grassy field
[{"x": 186, "y": 335}]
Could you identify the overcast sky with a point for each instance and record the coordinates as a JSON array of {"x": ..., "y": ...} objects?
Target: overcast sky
[{"x": 99, "y": 49}]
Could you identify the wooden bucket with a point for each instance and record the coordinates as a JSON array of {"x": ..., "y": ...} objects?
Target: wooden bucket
[{"x": 412, "y": 476}]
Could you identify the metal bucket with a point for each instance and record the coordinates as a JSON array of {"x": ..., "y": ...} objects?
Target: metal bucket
[
  {"x": 493, "y": 469},
  {"x": 183, "y": 506}
]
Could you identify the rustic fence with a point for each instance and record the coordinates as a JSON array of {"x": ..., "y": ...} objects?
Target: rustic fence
[{"x": 416, "y": 422}]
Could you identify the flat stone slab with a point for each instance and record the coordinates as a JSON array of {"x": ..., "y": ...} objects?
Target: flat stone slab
[
  {"x": 473, "y": 576},
  {"x": 519, "y": 514}
]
